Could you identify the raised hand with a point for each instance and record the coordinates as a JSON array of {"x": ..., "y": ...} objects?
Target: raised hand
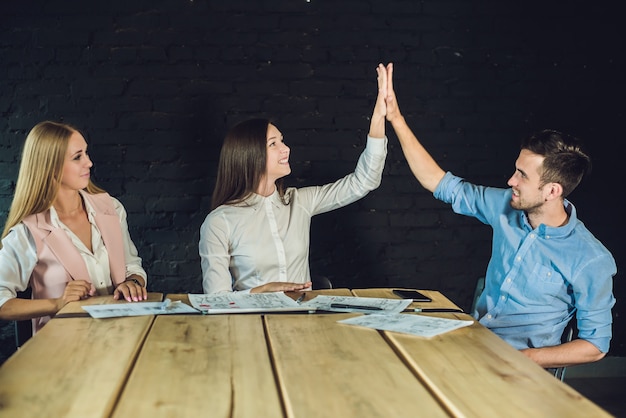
[
  {"x": 393, "y": 111},
  {"x": 380, "y": 108}
]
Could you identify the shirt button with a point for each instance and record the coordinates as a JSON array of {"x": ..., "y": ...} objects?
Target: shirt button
[
  {"x": 489, "y": 316},
  {"x": 519, "y": 258},
  {"x": 532, "y": 235},
  {"x": 508, "y": 280},
  {"x": 503, "y": 297},
  {"x": 549, "y": 273}
]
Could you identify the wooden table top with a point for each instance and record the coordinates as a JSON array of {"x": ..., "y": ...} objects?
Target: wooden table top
[
  {"x": 71, "y": 368},
  {"x": 274, "y": 365}
]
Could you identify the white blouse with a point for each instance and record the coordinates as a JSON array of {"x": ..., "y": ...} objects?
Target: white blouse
[{"x": 262, "y": 240}]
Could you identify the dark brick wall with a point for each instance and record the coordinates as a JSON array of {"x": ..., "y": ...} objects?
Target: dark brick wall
[{"x": 155, "y": 85}]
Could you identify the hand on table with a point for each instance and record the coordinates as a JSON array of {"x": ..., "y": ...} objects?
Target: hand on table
[
  {"x": 281, "y": 287},
  {"x": 130, "y": 291},
  {"x": 74, "y": 291}
]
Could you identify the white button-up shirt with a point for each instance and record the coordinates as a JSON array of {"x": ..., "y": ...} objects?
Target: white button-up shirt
[{"x": 263, "y": 240}]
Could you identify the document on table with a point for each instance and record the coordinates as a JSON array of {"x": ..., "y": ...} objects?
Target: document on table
[
  {"x": 424, "y": 326},
  {"x": 357, "y": 304},
  {"x": 138, "y": 309},
  {"x": 233, "y": 302}
]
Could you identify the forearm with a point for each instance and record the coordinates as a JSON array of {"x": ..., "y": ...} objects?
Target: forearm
[
  {"x": 18, "y": 309},
  {"x": 567, "y": 354},
  {"x": 377, "y": 126},
  {"x": 424, "y": 167}
]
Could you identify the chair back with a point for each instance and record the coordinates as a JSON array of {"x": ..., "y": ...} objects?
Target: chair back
[
  {"x": 321, "y": 282},
  {"x": 23, "y": 329},
  {"x": 568, "y": 335}
]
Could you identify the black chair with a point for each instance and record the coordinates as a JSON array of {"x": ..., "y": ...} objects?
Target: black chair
[
  {"x": 568, "y": 335},
  {"x": 478, "y": 290},
  {"x": 321, "y": 282},
  {"x": 23, "y": 329}
]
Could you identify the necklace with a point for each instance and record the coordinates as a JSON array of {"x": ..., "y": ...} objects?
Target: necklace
[{"x": 73, "y": 211}]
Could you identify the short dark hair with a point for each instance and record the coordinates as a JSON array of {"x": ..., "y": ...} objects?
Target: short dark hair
[{"x": 565, "y": 162}]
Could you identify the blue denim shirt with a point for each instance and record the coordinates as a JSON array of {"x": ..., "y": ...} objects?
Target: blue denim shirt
[{"x": 537, "y": 279}]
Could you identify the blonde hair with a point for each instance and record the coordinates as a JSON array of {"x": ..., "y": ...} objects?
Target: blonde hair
[{"x": 40, "y": 173}]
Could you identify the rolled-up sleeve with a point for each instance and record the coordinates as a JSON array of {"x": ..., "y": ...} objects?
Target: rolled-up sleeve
[
  {"x": 131, "y": 255},
  {"x": 593, "y": 293},
  {"x": 18, "y": 257}
]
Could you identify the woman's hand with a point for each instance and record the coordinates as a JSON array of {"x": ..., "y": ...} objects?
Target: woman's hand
[
  {"x": 131, "y": 291},
  {"x": 377, "y": 123},
  {"x": 281, "y": 287},
  {"x": 380, "y": 108},
  {"x": 74, "y": 291}
]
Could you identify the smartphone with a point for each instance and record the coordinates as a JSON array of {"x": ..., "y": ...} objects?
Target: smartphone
[{"x": 412, "y": 294}]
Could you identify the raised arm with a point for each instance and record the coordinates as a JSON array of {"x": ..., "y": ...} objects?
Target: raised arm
[
  {"x": 377, "y": 123},
  {"x": 424, "y": 167}
]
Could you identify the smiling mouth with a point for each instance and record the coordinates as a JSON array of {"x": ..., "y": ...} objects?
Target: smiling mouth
[{"x": 285, "y": 161}]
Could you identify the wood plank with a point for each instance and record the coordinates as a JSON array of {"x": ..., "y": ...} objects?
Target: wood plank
[
  {"x": 71, "y": 368},
  {"x": 476, "y": 374},
  {"x": 75, "y": 309},
  {"x": 438, "y": 299},
  {"x": 203, "y": 365},
  {"x": 326, "y": 369}
]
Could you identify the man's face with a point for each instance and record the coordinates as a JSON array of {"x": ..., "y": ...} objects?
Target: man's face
[{"x": 528, "y": 192}]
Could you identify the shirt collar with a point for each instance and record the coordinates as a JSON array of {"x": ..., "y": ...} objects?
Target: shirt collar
[
  {"x": 255, "y": 200},
  {"x": 551, "y": 231}
]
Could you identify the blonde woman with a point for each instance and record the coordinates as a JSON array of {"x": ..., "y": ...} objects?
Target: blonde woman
[{"x": 65, "y": 238}]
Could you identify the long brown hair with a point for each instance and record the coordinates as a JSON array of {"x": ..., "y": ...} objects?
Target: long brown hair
[
  {"x": 41, "y": 169},
  {"x": 242, "y": 163}
]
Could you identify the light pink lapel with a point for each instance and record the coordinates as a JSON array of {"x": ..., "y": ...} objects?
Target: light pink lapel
[{"x": 63, "y": 248}]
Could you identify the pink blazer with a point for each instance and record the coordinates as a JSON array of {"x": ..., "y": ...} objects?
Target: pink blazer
[{"x": 59, "y": 260}]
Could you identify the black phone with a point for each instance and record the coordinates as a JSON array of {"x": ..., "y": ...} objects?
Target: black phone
[{"x": 412, "y": 294}]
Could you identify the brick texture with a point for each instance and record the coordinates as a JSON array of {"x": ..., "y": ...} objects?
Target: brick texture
[{"x": 155, "y": 85}]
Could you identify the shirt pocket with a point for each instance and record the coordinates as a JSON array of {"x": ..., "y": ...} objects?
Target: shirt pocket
[{"x": 544, "y": 284}]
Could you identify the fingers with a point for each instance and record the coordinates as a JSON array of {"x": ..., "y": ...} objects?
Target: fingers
[
  {"x": 382, "y": 79},
  {"x": 131, "y": 292},
  {"x": 389, "y": 77},
  {"x": 75, "y": 290},
  {"x": 281, "y": 287},
  {"x": 78, "y": 289}
]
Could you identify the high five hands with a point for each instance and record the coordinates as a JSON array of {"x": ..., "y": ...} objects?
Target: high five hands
[{"x": 386, "y": 103}]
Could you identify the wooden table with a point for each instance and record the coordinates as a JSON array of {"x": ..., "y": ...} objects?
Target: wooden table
[{"x": 274, "y": 365}]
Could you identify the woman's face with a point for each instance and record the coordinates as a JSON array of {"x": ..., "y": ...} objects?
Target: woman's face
[
  {"x": 77, "y": 165},
  {"x": 277, "y": 161}
]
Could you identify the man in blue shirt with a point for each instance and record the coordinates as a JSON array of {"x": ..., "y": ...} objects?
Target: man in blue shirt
[{"x": 545, "y": 265}]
